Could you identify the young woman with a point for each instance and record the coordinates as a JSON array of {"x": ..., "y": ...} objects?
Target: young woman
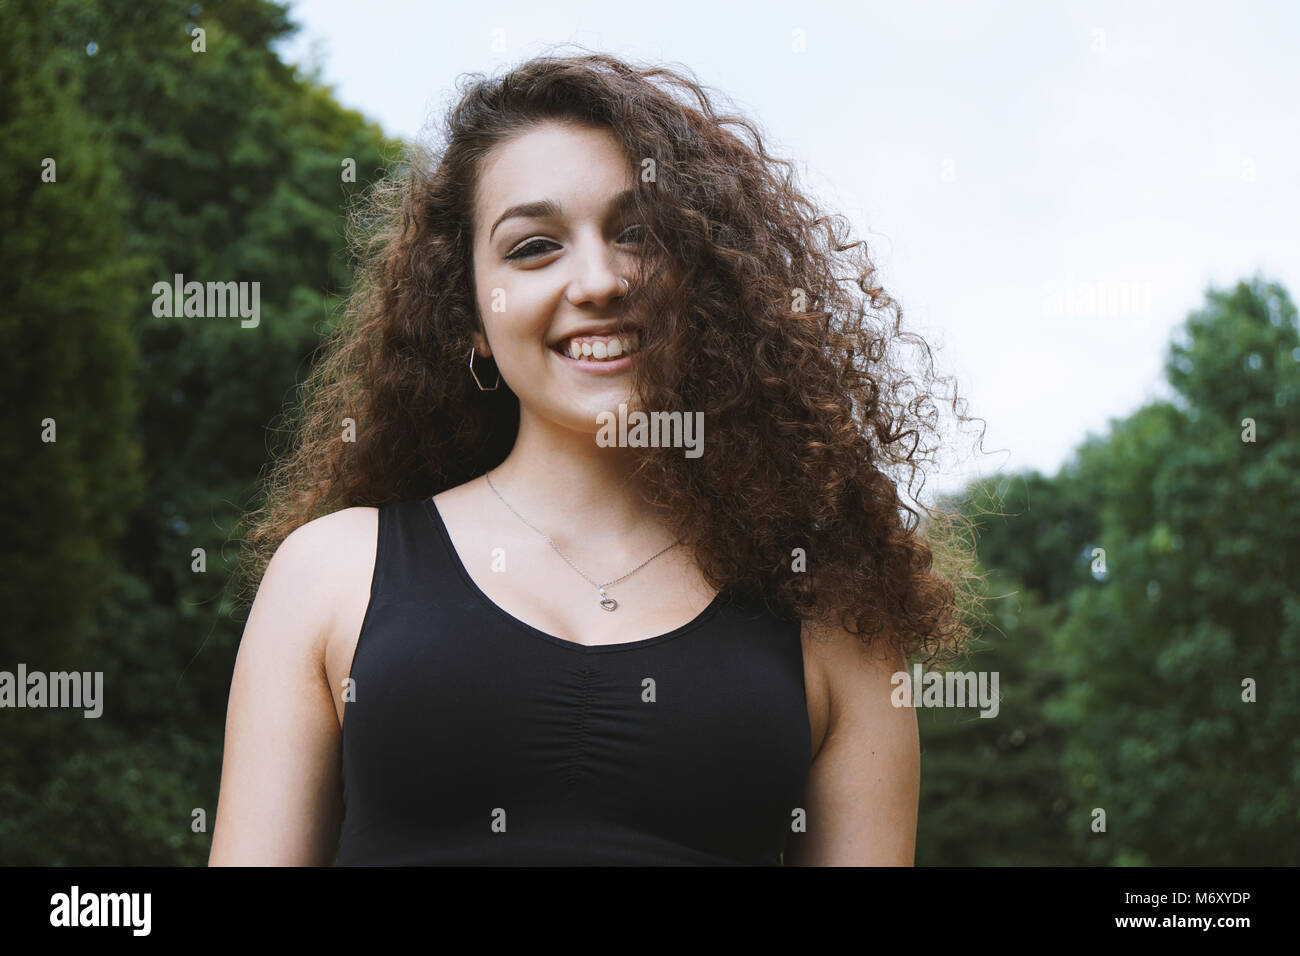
[{"x": 490, "y": 629}]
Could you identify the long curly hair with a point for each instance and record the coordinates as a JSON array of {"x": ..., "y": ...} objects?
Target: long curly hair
[{"x": 754, "y": 308}]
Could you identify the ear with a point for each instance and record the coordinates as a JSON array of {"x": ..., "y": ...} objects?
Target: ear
[{"x": 480, "y": 343}]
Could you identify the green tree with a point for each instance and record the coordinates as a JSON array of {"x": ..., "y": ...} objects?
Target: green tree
[
  {"x": 1134, "y": 592},
  {"x": 1201, "y": 532},
  {"x": 228, "y": 168},
  {"x": 993, "y": 792},
  {"x": 67, "y": 353}
]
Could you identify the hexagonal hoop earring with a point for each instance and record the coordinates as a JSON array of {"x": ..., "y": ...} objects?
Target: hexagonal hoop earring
[{"x": 475, "y": 374}]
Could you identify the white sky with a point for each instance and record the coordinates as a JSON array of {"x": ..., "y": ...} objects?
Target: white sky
[{"x": 997, "y": 157}]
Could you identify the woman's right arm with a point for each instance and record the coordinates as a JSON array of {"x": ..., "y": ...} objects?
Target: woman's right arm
[{"x": 280, "y": 802}]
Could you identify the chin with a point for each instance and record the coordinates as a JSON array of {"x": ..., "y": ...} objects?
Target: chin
[{"x": 583, "y": 413}]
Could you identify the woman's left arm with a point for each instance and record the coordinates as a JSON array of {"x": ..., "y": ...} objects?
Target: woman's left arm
[{"x": 864, "y": 784}]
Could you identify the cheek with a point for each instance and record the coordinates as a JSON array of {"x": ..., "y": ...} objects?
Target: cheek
[
  {"x": 496, "y": 296},
  {"x": 518, "y": 338}
]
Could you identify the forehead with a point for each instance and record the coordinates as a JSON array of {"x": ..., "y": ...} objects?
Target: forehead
[{"x": 576, "y": 166}]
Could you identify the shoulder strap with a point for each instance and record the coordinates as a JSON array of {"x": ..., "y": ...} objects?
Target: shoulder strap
[{"x": 410, "y": 558}]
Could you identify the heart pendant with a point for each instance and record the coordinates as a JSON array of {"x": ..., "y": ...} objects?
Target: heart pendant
[{"x": 609, "y": 604}]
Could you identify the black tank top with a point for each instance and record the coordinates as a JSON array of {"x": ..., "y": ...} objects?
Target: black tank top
[{"x": 477, "y": 739}]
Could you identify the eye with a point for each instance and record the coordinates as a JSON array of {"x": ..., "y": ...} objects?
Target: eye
[
  {"x": 523, "y": 251},
  {"x": 639, "y": 229},
  {"x": 537, "y": 247}
]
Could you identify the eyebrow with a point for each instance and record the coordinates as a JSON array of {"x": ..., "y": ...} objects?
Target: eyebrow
[{"x": 549, "y": 209}]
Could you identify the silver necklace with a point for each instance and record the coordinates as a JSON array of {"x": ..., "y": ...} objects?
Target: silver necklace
[{"x": 607, "y": 602}]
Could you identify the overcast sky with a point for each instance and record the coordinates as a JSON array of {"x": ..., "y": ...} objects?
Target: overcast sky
[{"x": 1047, "y": 188}]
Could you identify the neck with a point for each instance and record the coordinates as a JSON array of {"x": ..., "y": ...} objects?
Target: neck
[{"x": 563, "y": 482}]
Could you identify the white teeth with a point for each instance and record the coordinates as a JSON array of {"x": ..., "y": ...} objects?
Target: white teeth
[{"x": 599, "y": 350}]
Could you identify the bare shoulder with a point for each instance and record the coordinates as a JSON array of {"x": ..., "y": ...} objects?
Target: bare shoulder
[
  {"x": 332, "y": 547},
  {"x": 321, "y": 566},
  {"x": 279, "y": 803},
  {"x": 835, "y": 649},
  {"x": 336, "y": 526},
  {"x": 841, "y": 670}
]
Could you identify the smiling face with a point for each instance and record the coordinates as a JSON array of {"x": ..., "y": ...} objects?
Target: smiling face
[{"x": 554, "y": 238}]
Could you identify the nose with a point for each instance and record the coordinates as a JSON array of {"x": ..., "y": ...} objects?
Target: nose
[{"x": 596, "y": 280}]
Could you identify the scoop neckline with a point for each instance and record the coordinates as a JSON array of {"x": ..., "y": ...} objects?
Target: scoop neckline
[{"x": 431, "y": 509}]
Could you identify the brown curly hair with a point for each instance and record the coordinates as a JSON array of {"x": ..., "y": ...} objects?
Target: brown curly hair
[{"x": 759, "y": 312}]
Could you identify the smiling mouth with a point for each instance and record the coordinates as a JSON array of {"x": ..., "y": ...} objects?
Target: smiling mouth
[{"x": 599, "y": 348}]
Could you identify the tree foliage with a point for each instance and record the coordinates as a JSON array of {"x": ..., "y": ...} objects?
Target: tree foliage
[
  {"x": 223, "y": 166},
  {"x": 1165, "y": 556}
]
